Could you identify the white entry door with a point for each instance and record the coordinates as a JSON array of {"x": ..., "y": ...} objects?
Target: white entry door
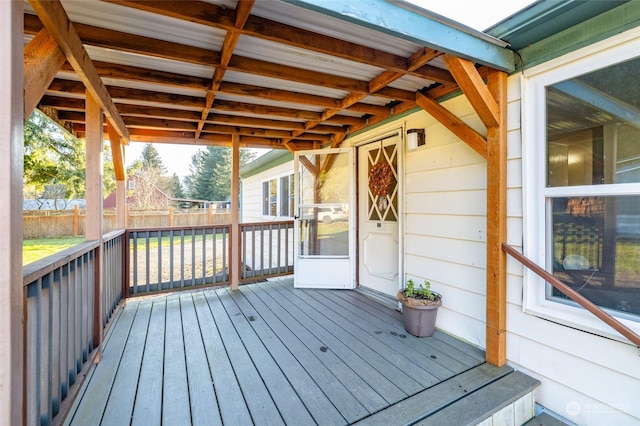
[
  {"x": 324, "y": 229},
  {"x": 378, "y": 215}
]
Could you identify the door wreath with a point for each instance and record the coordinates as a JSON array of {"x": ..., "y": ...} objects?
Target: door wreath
[{"x": 379, "y": 181}]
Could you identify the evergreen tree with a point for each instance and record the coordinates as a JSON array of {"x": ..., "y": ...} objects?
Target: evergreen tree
[
  {"x": 210, "y": 177},
  {"x": 150, "y": 159},
  {"x": 175, "y": 187}
]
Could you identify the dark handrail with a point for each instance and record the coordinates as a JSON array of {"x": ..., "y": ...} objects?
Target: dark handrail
[{"x": 574, "y": 295}]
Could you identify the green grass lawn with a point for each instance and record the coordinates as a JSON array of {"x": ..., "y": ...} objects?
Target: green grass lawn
[{"x": 37, "y": 249}]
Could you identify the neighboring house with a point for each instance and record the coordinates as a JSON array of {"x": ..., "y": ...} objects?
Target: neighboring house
[
  {"x": 143, "y": 194},
  {"x": 572, "y": 207}
]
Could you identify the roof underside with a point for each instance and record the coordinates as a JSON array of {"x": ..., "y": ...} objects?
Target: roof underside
[{"x": 280, "y": 74}]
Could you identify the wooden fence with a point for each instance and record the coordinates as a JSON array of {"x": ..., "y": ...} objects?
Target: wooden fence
[{"x": 68, "y": 223}]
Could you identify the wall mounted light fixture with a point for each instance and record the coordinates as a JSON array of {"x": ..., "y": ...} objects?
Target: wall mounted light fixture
[{"x": 415, "y": 138}]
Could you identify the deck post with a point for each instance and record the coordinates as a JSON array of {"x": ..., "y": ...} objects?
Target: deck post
[
  {"x": 93, "y": 227},
  {"x": 234, "y": 266},
  {"x": 12, "y": 386},
  {"x": 496, "y": 314}
]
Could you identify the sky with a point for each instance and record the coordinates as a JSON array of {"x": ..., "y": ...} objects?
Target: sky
[{"x": 477, "y": 14}]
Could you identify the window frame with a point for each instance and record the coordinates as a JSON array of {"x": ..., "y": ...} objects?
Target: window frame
[
  {"x": 536, "y": 209},
  {"x": 266, "y": 205}
]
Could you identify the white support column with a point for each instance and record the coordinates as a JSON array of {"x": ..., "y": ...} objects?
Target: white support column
[
  {"x": 235, "y": 213},
  {"x": 11, "y": 172},
  {"x": 93, "y": 223}
]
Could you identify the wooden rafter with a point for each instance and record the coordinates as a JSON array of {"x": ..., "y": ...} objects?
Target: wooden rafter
[
  {"x": 219, "y": 17},
  {"x": 55, "y": 20},
  {"x": 243, "y": 9},
  {"x": 416, "y": 60},
  {"x": 42, "y": 60},
  {"x": 162, "y": 49},
  {"x": 475, "y": 90}
]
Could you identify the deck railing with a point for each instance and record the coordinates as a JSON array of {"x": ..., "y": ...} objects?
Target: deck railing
[
  {"x": 113, "y": 272},
  {"x": 266, "y": 249},
  {"x": 61, "y": 308},
  {"x": 163, "y": 259},
  {"x": 59, "y": 328}
]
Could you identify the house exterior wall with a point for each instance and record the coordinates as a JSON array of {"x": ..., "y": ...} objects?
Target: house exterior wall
[
  {"x": 251, "y": 193},
  {"x": 587, "y": 378}
]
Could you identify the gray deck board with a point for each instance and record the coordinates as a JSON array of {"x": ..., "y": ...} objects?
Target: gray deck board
[
  {"x": 351, "y": 370},
  {"x": 148, "y": 401},
  {"x": 337, "y": 393},
  {"x": 436, "y": 362},
  {"x": 381, "y": 364},
  {"x": 287, "y": 400},
  {"x": 176, "y": 409},
  {"x": 123, "y": 394},
  {"x": 284, "y": 371},
  {"x": 227, "y": 386},
  {"x": 266, "y": 354},
  {"x": 103, "y": 375},
  {"x": 437, "y": 397},
  {"x": 202, "y": 398}
]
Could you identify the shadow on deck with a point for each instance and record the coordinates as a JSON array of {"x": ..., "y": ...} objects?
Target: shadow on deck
[{"x": 272, "y": 354}]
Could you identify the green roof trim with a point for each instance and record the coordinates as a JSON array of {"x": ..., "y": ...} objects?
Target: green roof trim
[
  {"x": 418, "y": 26},
  {"x": 600, "y": 27},
  {"x": 271, "y": 159}
]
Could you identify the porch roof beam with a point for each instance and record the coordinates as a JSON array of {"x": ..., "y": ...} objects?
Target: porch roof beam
[
  {"x": 418, "y": 26},
  {"x": 476, "y": 91},
  {"x": 55, "y": 20},
  {"x": 42, "y": 60}
]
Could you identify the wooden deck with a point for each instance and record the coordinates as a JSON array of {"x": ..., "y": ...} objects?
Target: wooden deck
[{"x": 266, "y": 354}]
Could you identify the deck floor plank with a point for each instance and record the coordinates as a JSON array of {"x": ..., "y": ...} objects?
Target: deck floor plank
[
  {"x": 351, "y": 370},
  {"x": 202, "y": 398},
  {"x": 148, "y": 400},
  {"x": 266, "y": 354},
  {"x": 437, "y": 363},
  {"x": 103, "y": 375},
  {"x": 289, "y": 404},
  {"x": 436, "y": 343},
  {"x": 377, "y": 361},
  {"x": 176, "y": 408},
  {"x": 233, "y": 408},
  {"x": 268, "y": 348},
  {"x": 343, "y": 398},
  {"x": 123, "y": 393},
  {"x": 377, "y": 340}
]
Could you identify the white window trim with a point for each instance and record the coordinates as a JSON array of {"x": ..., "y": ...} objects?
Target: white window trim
[
  {"x": 534, "y": 81},
  {"x": 278, "y": 195}
]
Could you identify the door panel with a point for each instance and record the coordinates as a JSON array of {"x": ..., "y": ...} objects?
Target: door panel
[
  {"x": 324, "y": 237},
  {"x": 378, "y": 217}
]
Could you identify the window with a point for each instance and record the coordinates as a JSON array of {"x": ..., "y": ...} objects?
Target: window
[
  {"x": 582, "y": 189},
  {"x": 277, "y": 197}
]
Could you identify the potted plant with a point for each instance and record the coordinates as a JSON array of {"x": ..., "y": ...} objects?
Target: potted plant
[{"x": 419, "y": 308}]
